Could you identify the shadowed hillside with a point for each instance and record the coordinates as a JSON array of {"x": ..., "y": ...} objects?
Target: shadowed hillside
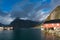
[
  {"x": 18, "y": 23},
  {"x": 1, "y": 25}
]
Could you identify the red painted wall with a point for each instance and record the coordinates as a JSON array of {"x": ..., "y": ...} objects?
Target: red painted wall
[{"x": 50, "y": 25}]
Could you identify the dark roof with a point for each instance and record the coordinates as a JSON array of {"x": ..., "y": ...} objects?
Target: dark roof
[{"x": 53, "y": 21}]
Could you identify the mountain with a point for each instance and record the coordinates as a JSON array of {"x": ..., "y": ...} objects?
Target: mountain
[
  {"x": 55, "y": 14},
  {"x": 19, "y": 23},
  {"x": 1, "y": 24}
]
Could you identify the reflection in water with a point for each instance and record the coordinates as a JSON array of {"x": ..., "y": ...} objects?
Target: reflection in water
[
  {"x": 22, "y": 34},
  {"x": 27, "y": 34},
  {"x": 49, "y": 36}
]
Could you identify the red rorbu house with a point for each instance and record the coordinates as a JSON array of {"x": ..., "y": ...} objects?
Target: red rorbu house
[{"x": 52, "y": 24}]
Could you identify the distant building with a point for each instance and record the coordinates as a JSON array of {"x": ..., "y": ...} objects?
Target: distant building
[
  {"x": 52, "y": 24},
  {"x": 53, "y": 20}
]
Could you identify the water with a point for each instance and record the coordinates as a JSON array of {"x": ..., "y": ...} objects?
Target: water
[
  {"x": 6, "y": 35},
  {"x": 26, "y": 34},
  {"x": 22, "y": 34}
]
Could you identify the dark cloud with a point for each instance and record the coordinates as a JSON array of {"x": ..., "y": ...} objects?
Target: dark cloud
[
  {"x": 28, "y": 9},
  {"x": 25, "y": 10}
]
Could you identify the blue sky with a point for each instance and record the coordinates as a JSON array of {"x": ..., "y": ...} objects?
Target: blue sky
[
  {"x": 36, "y": 10},
  {"x": 7, "y": 5}
]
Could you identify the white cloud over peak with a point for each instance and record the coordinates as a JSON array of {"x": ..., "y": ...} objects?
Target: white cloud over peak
[
  {"x": 6, "y": 19},
  {"x": 28, "y": 10}
]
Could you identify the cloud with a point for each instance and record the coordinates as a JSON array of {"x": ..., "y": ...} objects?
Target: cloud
[
  {"x": 57, "y": 2},
  {"x": 26, "y": 18},
  {"x": 41, "y": 15},
  {"x": 29, "y": 10},
  {"x": 6, "y": 20},
  {"x": 24, "y": 9}
]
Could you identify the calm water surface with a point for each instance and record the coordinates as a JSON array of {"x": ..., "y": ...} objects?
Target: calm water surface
[
  {"x": 25, "y": 34},
  {"x": 22, "y": 34}
]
